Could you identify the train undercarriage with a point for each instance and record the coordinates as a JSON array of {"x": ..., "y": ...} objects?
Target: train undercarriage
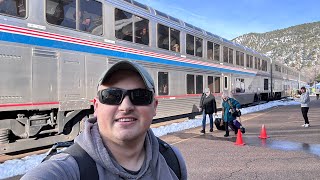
[{"x": 31, "y": 129}]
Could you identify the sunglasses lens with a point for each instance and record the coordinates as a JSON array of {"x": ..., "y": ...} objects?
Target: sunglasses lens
[
  {"x": 111, "y": 96},
  {"x": 141, "y": 97}
]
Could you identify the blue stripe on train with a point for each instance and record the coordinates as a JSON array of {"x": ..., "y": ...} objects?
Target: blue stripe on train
[{"x": 4, "y": 36}]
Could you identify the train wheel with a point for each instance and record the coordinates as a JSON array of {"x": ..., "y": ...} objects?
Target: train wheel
[{"x": 4, "y": 136}]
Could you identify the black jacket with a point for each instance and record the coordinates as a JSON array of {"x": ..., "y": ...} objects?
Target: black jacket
[{"x": 208, "y": 104}]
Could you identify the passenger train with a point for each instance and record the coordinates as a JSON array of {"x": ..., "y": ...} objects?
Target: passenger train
[{"x": 53, "y": 52}]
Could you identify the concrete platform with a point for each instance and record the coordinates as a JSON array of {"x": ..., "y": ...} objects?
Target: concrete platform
[{"x": 291, "y": 152}]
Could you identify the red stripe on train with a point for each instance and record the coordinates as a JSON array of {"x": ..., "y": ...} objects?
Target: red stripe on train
[{"x": 28, "y": 104}]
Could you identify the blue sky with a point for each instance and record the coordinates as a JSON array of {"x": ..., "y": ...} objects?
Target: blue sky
[{"x": 230, "y": 19}]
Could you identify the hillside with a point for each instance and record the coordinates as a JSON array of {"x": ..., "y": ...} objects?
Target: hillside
[{"x": 296, "y": 46}]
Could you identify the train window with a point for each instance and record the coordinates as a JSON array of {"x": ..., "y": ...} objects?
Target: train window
[
  {"x": 264, "y": 65},
  {"x": 241, "y": 58},
  {"x": 209, "y": 50},
  {"x": 225, "y": 55},
  {"x": 163, "y": 37},
  {"x": 174, "y": 19},
  {"x": 123, "y": 25},
  {"x": 240, "y": 86},
  {"x": 141, "y": 30},
  {"x": 199, "y": 47},
  {"x": 90, "y": 17},
  {"x": 61, "y": 13},
  {"x": 199, "y": 84},
  {"x": 161, "y": 14},
  {"x": 190, "y": 44},
  {"x": 230, "y": 56},
  {"x": 189, "y": 25},
  {"x": 225, "y": 82},
  {"x": 163, "y": 83},
  {"x": 259, "y": 64},
  {"x": 217, "y": 84},
  {"x": 247, "y": 60},
  {"x": 251, "y": 61},
  {"x": 129, "y": 1},
  {"x": 255, "y": 62},
  {"x": 174, "y": 40},
  {"x": 210, "y": 83},
  {"x": 190, "y": 84},
  {"x": 237, "y": 58},
  {"x": 15, "y": 8},
  {"x": 140, "y": 5},
  {"x": 216, "y": 52},
  {"x": 266, "y": 84},
  {"x": 168, "y": 37},
  {"x": 196, "y": 28}
]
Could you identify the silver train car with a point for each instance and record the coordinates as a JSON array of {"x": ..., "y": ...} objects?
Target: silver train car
[{"x": 53, "y": 52}]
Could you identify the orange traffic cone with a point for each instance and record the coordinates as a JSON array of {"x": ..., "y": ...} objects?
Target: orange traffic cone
[
  {"x": 239, "y": 140},
  {"x": 263, "y": 134}
]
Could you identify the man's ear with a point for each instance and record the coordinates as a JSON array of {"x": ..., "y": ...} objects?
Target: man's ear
[
  {"x": 155, "y": 106},
  {"x": 95, "y": 105}
]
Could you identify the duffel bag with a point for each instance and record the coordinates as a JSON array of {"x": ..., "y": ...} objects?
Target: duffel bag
[{"x": 219, "y": 124}]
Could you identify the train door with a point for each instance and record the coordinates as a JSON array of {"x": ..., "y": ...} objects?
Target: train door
[
  {"x": 71, "y": 80},
  {"x": 214, "y": 84}
]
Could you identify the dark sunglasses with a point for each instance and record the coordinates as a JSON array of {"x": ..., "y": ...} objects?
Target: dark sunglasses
[{"x": 115, "y": 96}]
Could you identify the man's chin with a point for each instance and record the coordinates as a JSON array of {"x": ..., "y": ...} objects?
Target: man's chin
[{"x": 127, "y": 136}]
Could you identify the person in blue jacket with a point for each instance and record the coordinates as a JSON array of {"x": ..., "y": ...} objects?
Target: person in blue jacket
[{"x": 227, "y": 116}]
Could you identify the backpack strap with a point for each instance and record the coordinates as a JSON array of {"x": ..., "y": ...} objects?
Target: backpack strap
[
  {"x": 87, "y": 166},
  {"x": 230, "y": 104},
  {"x": 170, "y": 157}
]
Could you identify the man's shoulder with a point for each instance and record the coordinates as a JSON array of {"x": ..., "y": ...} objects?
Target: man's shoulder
[{"x": 59, "y": 166}]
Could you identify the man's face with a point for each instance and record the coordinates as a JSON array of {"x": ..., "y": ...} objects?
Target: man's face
[
  {"x": 303, "y": 90},
  {"x": 124, "y": 122}
]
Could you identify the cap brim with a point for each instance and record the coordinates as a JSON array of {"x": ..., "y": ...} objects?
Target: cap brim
[{"x": 128, "y": 65}]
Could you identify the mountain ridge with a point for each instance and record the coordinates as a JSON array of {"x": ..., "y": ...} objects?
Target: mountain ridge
[{"x": 296, "y": 46}]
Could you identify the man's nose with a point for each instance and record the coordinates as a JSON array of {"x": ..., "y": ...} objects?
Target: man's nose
[{"x": 126, "y": 104}]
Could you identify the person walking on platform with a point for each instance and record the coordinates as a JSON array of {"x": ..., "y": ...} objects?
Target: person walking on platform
[
  {"x": 317, "y": 92},
  {"x": 118, "y": 142},
  {"x": 208, "y": 106},
  {"x": 305, "y": 100},
  {"x": 227, "y": 104}
]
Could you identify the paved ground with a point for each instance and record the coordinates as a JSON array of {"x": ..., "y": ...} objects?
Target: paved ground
[{"x": 291, "y": 152}]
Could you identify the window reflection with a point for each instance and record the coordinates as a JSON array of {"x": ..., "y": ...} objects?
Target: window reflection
[{"x": 13, "y": 8}]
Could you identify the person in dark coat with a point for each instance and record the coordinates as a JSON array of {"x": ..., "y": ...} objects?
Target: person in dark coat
[
  {"x": 208, "y": 107},
  {"x": 227, "y": 116}
]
